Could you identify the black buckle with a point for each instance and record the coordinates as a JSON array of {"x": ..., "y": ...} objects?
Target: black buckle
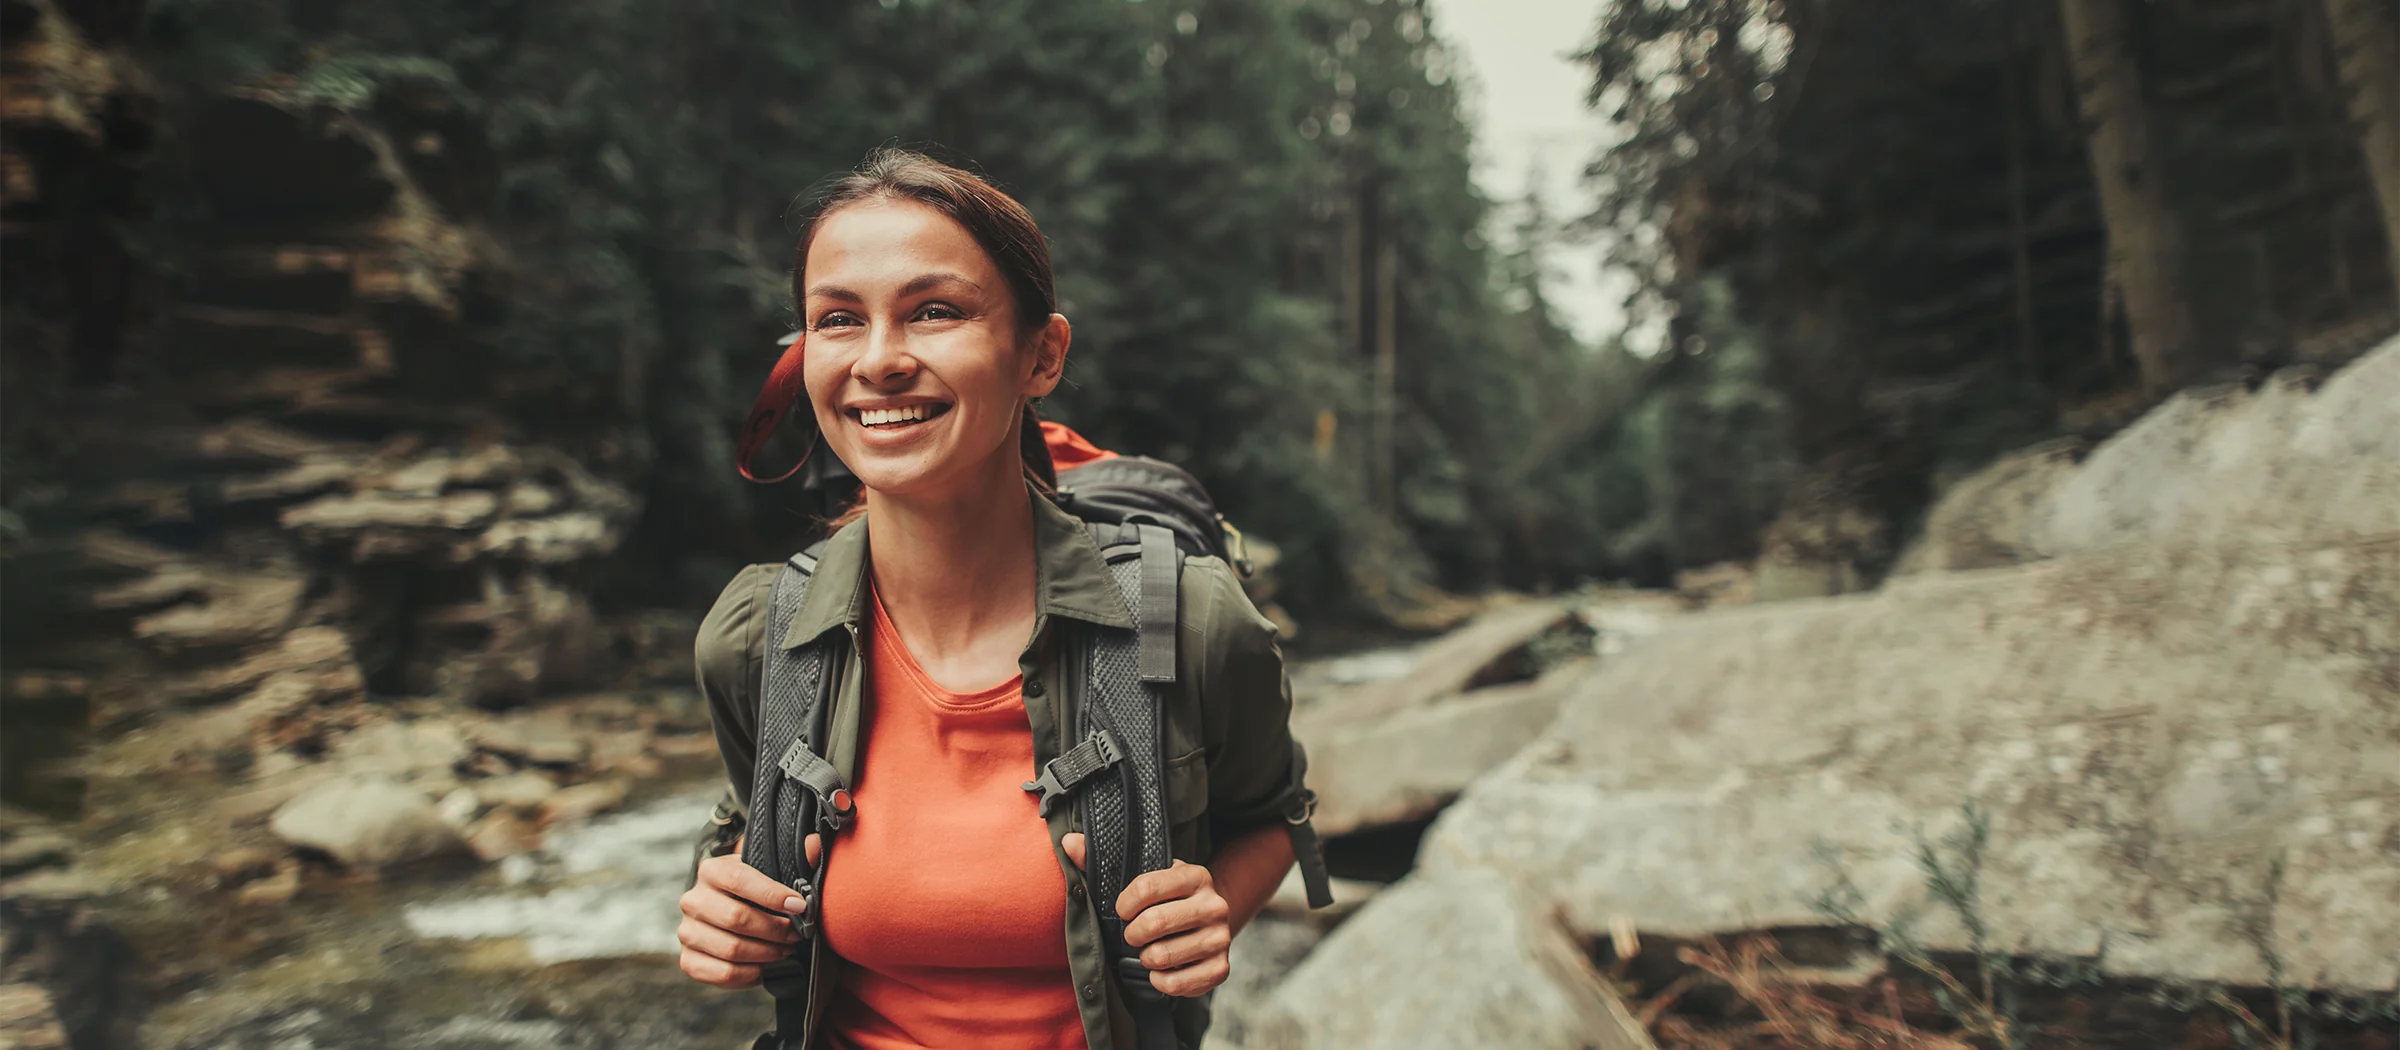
[
  {"x": 1305, "y": 805},
  {"x": 1053, "y": 786},
  {"x": 834, "y": 809}
]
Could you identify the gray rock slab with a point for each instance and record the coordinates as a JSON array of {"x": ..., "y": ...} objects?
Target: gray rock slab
[
  {"x": 2153, "y": 734},
  {"x": 1462, "y": 959},
  {"x": 1381, "y": 767}
]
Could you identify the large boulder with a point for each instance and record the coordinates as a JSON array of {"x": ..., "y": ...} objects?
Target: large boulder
[
  {"x": 1456, "y": 960},
  {"x": 2291, "y": 462},
  {"x": 2171, "y": 750},
  {"x": 368, "y": 823}
]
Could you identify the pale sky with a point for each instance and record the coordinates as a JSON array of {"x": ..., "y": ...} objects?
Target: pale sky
[{"x": 1531, "y": 128}]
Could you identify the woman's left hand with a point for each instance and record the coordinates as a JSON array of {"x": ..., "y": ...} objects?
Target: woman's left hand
[{"x": 1179, "y": 922}]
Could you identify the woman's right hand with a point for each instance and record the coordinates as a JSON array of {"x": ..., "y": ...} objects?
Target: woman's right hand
[{"x": 731, "y": 924}]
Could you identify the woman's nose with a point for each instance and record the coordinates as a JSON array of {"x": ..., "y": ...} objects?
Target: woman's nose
[{"x": 886, "y": 359}]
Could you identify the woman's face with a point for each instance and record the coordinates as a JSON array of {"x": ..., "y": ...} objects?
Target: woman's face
[{"x": 917, "y": 365}]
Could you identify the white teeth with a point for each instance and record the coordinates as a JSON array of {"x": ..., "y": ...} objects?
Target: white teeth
[{"x": 880, "y": 416}]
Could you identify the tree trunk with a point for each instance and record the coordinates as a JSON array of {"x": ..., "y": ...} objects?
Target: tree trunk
[
  {"x": 2144, "y": 244},
  {"x": 2366, "y": 46}
]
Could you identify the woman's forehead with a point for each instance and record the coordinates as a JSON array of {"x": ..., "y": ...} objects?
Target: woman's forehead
[{"x": 890, "y": 241}]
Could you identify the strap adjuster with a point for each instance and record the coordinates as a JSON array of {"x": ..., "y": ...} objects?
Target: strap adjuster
[
  {"x": 1304, "y": 807},
  {"x": 1062, "y": 775}
]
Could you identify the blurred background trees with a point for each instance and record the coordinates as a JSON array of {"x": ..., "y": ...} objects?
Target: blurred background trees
[{"x": 1886, "y": 239}]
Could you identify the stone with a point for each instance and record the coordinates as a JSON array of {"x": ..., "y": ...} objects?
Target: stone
[
  {"x": 501, "y": 835},
  {"x": 423, "y": 750},
  {"x": 583, "y": 801},
  {"x": 460, "y": 807},
  {"x": 1476, "y": 654},
  {"x": 337, "y": 514},
  {"x": 28, "y": 1021},
  {"x": 1290, "y": 902},
  {"x": 541, "y": 739},
  {"x": 2278, "y": 466},
  {"x": 2164, "y": 745},
  {"x": 1371, "y": 767},
  {"x": 371, "y": 822},
  {"x": 33, "y": 848},
  {"x": 524, "y": 790},
  {"x": 243, "y": 863},
  {"x": 273, "y": 891},
  {"x": 1262, "y": 955},
  {"x": 237, "y": 610},
  {"x": 1464, "y": 959}
]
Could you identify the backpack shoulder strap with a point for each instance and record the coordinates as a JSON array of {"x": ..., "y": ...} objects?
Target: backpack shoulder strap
[
  {"x": 794, "y": 790},
  {"x": 1126, "y": 677}
]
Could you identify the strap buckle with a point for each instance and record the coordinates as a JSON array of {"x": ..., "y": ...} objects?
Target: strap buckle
[
  {"x": 1304, "y": 808},
  {"x": 1062, "y": 775}
]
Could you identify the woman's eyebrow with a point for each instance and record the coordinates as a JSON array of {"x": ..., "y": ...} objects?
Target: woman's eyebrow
[{"x": 921, "y": 284}]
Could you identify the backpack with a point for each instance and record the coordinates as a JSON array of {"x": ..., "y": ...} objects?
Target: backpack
[{"x": 1146, "y": 516}]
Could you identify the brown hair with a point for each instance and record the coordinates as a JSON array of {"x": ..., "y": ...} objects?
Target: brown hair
[{"x": 1004, "y": 229}]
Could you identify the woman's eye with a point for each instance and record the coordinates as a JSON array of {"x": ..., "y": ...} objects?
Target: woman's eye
[
  {"x": 835, "y": 321},
  {"x": 937, "y": 312}
]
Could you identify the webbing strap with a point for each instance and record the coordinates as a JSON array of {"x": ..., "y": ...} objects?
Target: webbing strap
[
  {"x": 1062, "y": 775},
  {"x": 1155, "y": 620},
  {"x": 1303, "y": 832},
  {"x": 822, "y": 780}
]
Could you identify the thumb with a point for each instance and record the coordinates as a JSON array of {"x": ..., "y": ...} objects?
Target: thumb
[
  {"x": 1072, "y": 844},
  {"x": 812, "y": 847}
]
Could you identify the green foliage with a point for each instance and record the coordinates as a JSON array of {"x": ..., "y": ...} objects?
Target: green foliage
[{"x": 637, "y": 163}]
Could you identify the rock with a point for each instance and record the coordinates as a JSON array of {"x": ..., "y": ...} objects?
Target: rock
[
  {"x": 525, "y": 790},
  {"x": 2166, "y": 746},
  {"x": 582, "y": 801},
  {"x": 541, "y": 739},
  {"x": 317, "y": 650},
  {"x": 502, "y": 835},
  {"x": 556, "y": 540},
  {"x": 273, "y": 891},
  {"x": 333, "y": 515},
  {"x": 27, "y": 1020},
  {"x": 1290, "y": 902},
  {"x": 459, "y": 808},
  {"x": 1265, "y": 952},
  {"x": 1374, "y": 766},
  {"x": 33, "y": 848},
  {"x": 266, "y": 794},
  {"x": 238, "y": 610},
  {"x": 1463, "y": 960},
  {"x": 2283, "y": 465},
  {"x": 243, "y": 863},
  {"x": 1479, "y": 653},
  {"x": 368, "y": 823},
  {"x": 422, "y": 751},
  {"x": 1980, "y": 522}
]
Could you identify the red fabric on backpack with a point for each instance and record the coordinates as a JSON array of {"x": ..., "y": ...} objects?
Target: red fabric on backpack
[
  {"x": 775, "y": 400},
  {"x": 1069, "y": 449}
]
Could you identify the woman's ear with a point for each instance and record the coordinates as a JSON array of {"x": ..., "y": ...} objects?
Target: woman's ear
[{"x": 1049, "y": 356}]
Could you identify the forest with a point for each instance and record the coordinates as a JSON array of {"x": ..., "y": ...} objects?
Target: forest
[{"x": 368, "y": 366}]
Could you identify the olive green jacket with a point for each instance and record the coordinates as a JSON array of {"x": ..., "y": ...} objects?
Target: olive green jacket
[{"x": 1231, "y": 763}]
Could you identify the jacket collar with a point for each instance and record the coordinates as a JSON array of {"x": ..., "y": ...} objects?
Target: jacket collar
[{"x": 1069, "y": 578}]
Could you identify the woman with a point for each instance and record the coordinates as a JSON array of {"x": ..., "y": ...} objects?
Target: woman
[{"x": 952, "y": 910}]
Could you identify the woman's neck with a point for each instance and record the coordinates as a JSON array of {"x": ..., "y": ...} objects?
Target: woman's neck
[{"x": 956, "y": 575}]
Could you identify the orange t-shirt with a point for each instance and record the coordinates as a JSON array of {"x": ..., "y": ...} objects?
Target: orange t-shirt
[{"x": 943, "y": 899}]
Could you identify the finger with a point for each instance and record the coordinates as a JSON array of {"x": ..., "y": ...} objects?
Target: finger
[
  {"x": 732, "y": 947},
  {"x": 1072, "y": 845},
  {"x": 717, "y": 973},
  {"x": 1167, "y": 919},
  {"x": 1165, "y": 884},
  {"x": 812, "y": 847},
  {"x": 1191, "y": 946},
  {"x": 730, "y": 875},
  {"x": 1194, "y": 980},
  {"x": 734, "y": 915}
]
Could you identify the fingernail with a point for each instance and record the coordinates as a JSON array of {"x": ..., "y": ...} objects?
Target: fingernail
[{"x": 794, "y": 905}]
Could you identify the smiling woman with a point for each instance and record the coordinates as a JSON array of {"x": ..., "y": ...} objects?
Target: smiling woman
[{"x": 958, "y": 913}]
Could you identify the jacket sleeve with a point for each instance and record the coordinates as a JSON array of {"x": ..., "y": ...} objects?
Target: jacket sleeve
[
  {"x": 726, "y": 658},
  {"x": 1254, "y": 765}
]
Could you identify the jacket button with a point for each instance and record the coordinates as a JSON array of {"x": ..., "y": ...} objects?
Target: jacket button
[
  {"x": 1075, "y": 893},
  {"x": 1033, "y": 687},
  {"x": 1091, "y": 989}
]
